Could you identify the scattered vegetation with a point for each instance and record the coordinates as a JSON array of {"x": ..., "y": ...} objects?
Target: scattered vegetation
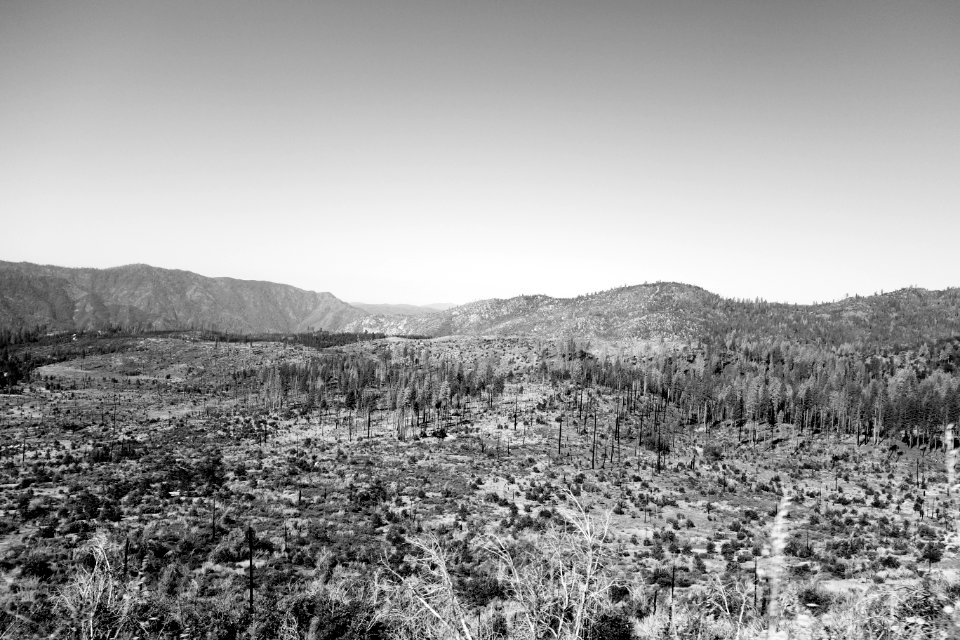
[{"x": 194, "y": 484}]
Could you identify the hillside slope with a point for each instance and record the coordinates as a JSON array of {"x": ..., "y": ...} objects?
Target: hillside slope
[
  {"x": 153, "y": 298},
  {"x": 642, "y": 311},
  {"x": 685, "y": 312},
  {"x": 140, "y": 296}
]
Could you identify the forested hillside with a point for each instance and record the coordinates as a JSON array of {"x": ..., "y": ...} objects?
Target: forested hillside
[{"x": 685, "y": 313}]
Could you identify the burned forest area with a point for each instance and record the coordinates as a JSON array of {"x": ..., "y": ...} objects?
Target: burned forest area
[{"x": 193, "y": 484}]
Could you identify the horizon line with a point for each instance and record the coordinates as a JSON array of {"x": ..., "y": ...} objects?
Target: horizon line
[{"x": 882, "y": 292}]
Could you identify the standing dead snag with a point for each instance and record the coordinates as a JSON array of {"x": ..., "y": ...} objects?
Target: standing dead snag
[
  {"x": 250, "y": 542},
  {"x": 950, "y": 460},
  {"x": 778, "y": 541},
  {"x": 560, "y": 435},
  {"x": 593, "y": 455}
]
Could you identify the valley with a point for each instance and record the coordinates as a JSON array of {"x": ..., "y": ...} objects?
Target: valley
[{"x": 197, "y": 484}]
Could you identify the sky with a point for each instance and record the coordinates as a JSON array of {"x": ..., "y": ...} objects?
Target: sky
[{"x": 425, "y": 151}]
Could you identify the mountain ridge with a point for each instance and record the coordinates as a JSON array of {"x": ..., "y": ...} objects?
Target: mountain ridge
[
  {"x": 148, "y": 297},
  {"x": 65, "y": 298},
  {"x": 679, "y": 311}
]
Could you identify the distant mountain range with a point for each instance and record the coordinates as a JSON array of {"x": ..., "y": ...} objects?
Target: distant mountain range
[
  {"x": 153, "y": 298},
  {"x": 402, "y": 309}
]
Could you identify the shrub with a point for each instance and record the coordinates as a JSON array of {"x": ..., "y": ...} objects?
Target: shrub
[
  {"x": 611, "y": 625},
  {"x": 324, "y": 618},
  {"x": 37, "y": 566},
  {"x": 931, "y": 552},
  {"x": 812, "y": 596},
  {"x": 618, "y": 593},
  {"x": 498, "y": 628},
  {"x": 479, "y": 591}
]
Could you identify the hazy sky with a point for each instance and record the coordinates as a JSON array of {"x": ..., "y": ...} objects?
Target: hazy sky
[{"x": 410, "y": 151}]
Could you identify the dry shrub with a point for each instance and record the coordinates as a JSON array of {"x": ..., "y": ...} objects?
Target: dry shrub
[
  {"x": 97, "y": 603},
  {"x": 557, "y": 586}
]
